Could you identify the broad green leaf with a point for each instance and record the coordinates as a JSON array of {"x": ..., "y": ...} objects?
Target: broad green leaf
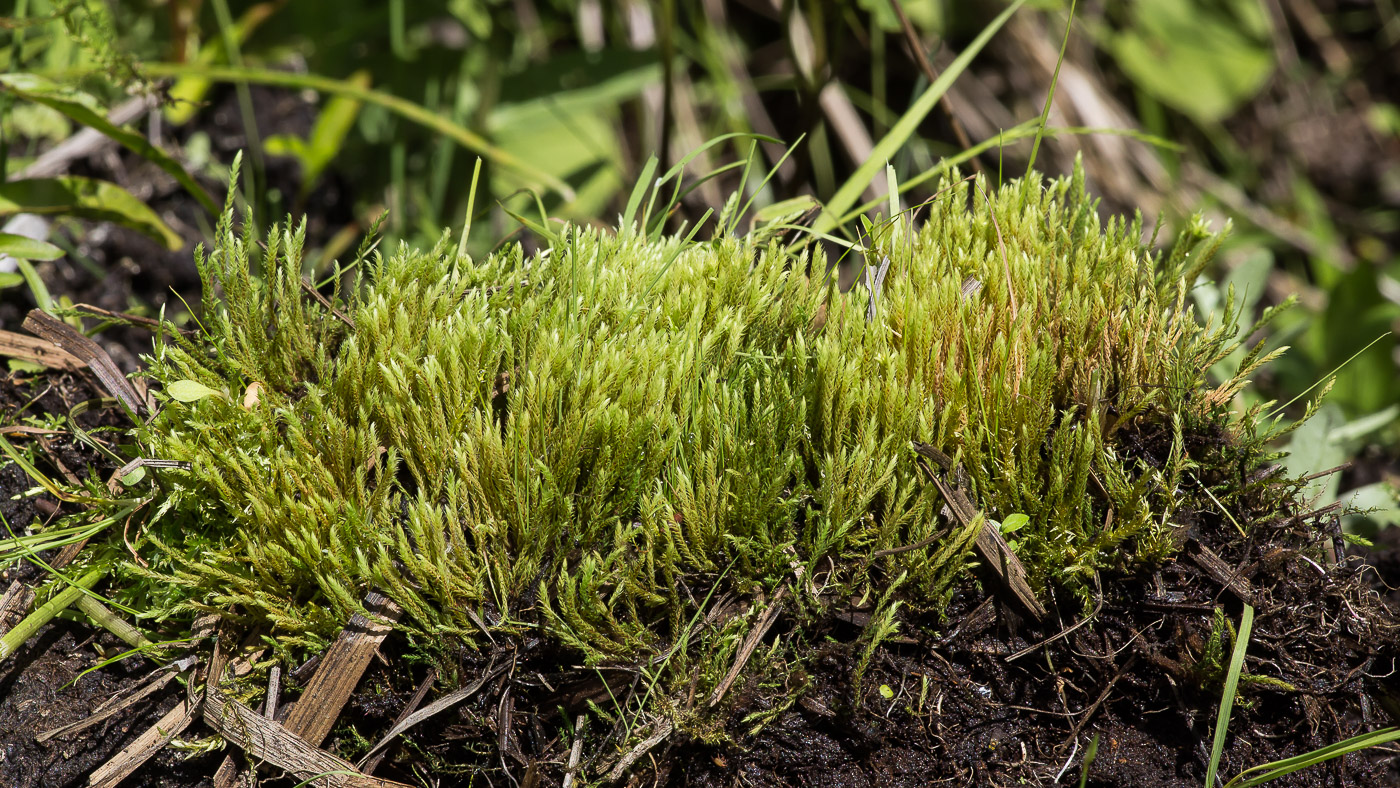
[
  {"x": 78, "y": 107},
  {"x": 28, "y": 248},
  {"x": 1310, "y": 450},
  {"x": 190, "y": 391},
  {"x": 134, "y": 476},
  {"x": 1201, "y": 57},
  {"x": 1356, "y": 314},
  {"x": 85, "y": 198},
  {"x": 402, "y": 107},
  {"x": 906, "y": 126},
  {"x": 1359, "y": 428},
  {"x": 1378, "y": 498}
]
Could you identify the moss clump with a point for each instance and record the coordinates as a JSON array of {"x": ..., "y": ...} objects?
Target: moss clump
[{"x": 589, "y": 439}]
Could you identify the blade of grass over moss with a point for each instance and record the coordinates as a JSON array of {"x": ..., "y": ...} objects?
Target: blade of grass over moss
[
  {"x": 906, "y": 126},
  {"x": 772, "y": 171},
  {"x": 406, "y": 109},
  {"x": 1227, "y": 697},
  {"x": 639, "y": 191},
  {"x": 1325, "y": 378},
  {"x": 1050, "y": 94},
  {"x": 471, "y": 207}
]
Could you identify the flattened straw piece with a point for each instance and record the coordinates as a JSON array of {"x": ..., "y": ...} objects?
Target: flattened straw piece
[
  {"x": 265, "y": 740},
  {"x": 152, "y": 741},
  {"x": 37, "y": 351},
  {"x": 66, "y": 338},
  {"x": 313, "y": 716}
]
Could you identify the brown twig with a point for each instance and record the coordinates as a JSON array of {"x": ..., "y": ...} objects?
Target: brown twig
[{"x": 325, "y": 302}]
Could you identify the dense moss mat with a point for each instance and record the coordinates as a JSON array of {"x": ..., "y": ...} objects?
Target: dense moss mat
[{"x": 589, "y": 440}]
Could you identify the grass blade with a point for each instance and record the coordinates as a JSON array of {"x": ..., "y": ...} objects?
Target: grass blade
[
  {"x": 1272, "y": 771},
  {"x": 639, "y": 191},
  {"x": 1050, "y": 96},
  {"x": 402, "y": 107},
  {"x": 906, "y": 126},
  {"x": 1227, "y": 700},
  {"x": 31, "y": 623}
]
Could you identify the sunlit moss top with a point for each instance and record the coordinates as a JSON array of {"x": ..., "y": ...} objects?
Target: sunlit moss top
[{"x": 589, "y": 439}]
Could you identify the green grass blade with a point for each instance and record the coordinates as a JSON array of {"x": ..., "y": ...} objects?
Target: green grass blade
[
  {"x": 1016, "y": 133},
  {"x": 1050, "y": 96},
  {"x": 1089, "y": 756},
  {"x": 1272, "y": 771},
  {"x": 25, "y": 248},
  {"x": 1325, "y": 378},
  {"x": 772, "y": 171},
  {"x": 31, "y": 623},
  {"x": 1227, "y": 700},
  {"x": 906, "y": 126},
  {"x": 401, "y": 107},
  {"x": 42, "y": 299},
  {"x": 679, "y": 166},
  {"x": 187, "y": 94},
  {"x": 471, "y": 207},
  {"x": 639, "y": 191}
]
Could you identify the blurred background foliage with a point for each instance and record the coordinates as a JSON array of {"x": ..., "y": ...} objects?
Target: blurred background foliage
[{"x": 1281, "y": 116}]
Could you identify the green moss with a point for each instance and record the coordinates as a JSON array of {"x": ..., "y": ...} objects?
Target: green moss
[{"x": 589, "y": 439}]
